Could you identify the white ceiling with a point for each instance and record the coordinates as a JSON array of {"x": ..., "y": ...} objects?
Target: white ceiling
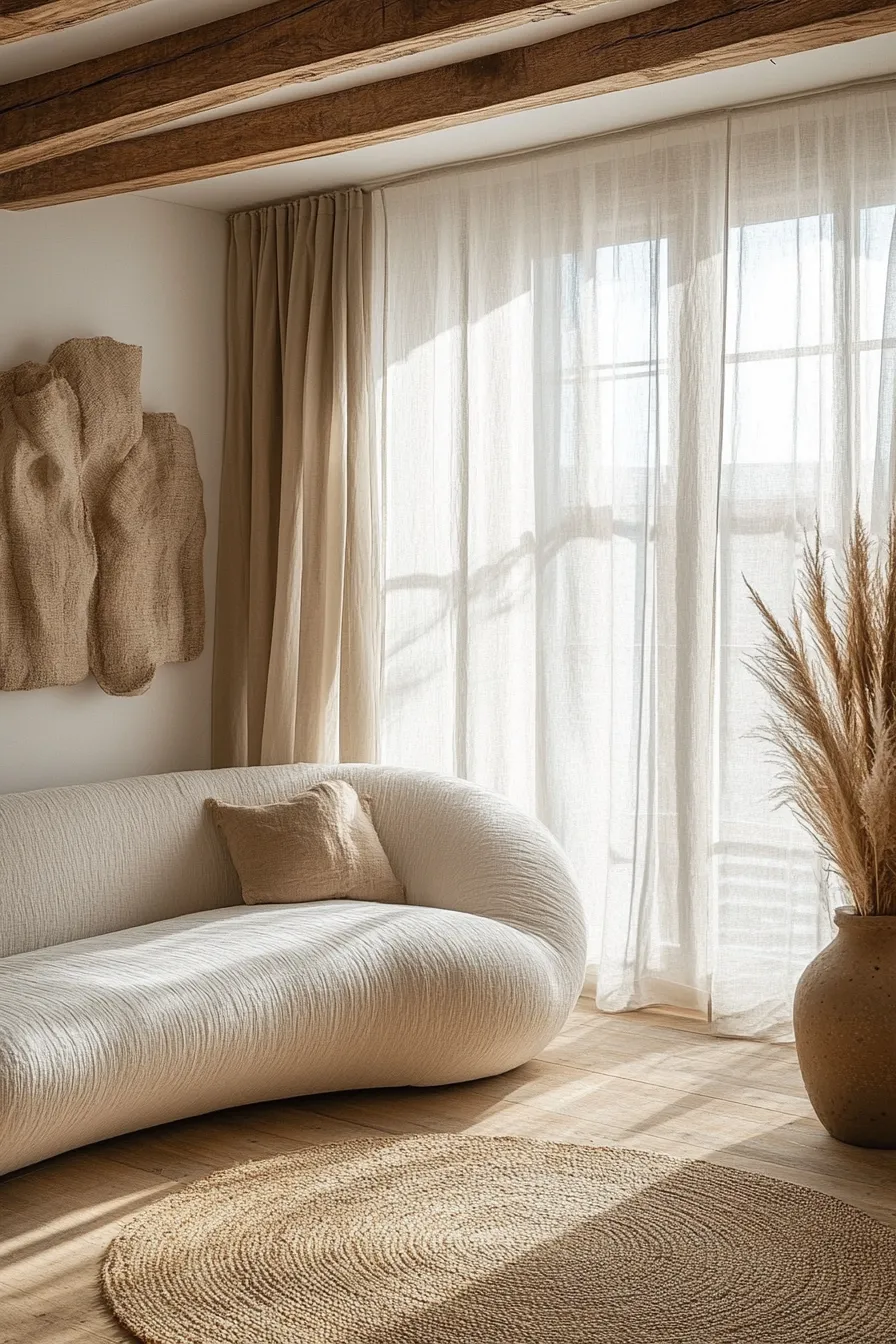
[{"x": 867, "y": 59}]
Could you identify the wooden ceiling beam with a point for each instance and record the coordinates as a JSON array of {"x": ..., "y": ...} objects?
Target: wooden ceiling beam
[
  {"x": 682, "y": 38},
  {"x": 237, "y": 57},
  {"x": 30, "y": 18}
]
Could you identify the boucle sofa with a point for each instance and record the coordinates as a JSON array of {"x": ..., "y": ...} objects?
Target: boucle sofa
[{"x": 136, "y": 988}]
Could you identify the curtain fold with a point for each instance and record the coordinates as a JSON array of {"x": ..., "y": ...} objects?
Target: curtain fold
[
  {"x": 297, "y": 643},
  {"x": 551, "y": 425},
  {"x": 617, "y": 378}
]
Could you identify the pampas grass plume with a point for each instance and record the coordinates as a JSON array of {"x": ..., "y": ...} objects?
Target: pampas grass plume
[{"x": 831, "y": 673}]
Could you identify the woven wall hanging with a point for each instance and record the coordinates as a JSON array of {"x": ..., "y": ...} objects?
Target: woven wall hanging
[{"x": 101, "y": 525}]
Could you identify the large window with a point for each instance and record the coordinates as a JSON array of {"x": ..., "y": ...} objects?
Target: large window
[{"x": 618, "y": 378}]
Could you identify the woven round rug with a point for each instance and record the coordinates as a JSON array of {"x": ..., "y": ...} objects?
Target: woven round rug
[{"x": 447, "y": 1239}]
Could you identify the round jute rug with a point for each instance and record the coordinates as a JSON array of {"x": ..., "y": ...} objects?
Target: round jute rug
[{"x": 455, "y": 1240}]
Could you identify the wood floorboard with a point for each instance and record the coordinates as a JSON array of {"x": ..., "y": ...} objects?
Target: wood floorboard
[{"x": 643, "y": 1080}]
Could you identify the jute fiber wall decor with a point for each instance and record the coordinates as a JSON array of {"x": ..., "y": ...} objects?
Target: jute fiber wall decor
[{"x": 101, "y": 525}]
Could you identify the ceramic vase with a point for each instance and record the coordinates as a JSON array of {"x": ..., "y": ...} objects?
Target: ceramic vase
[{"x": 845, "y": 1026}]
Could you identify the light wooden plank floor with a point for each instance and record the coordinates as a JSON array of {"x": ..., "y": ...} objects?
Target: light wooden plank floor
[{"x": 643, "y": 1080}]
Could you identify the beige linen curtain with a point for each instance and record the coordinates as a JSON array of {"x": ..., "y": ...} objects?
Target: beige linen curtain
[{"x": 297, "y": 630}]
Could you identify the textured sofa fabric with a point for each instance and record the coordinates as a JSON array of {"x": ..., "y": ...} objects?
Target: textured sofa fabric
[{"x": 136, "y": 988}]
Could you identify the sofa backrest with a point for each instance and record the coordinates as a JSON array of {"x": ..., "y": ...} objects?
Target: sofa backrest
[{"x": 95, "y": 858}]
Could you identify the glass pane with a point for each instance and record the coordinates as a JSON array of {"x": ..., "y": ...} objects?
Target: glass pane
[
  {"x": 780, "y": 285},
  {"x": 778, "y": 410},
  {"x": 875, "y": 237}
]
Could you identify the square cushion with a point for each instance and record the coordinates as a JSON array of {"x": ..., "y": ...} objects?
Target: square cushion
[{"x": 315, "y": 847}]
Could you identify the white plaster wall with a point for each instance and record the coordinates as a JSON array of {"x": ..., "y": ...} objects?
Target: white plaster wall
[{"x": 150, "y": 273}]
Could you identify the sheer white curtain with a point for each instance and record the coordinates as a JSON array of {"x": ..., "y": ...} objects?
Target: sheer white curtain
[
  {"x": 615, "y": 376},
  {"x": 808, "y": 426}
]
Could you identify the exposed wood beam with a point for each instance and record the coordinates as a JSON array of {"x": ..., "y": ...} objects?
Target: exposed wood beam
[
  {"x": 236, "y": 57},
  {"x": 29, "y": 18},
  {"x": 682, "y": 38}
]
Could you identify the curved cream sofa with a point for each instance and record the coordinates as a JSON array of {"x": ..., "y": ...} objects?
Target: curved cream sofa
[{"x": 136, "y": 988}]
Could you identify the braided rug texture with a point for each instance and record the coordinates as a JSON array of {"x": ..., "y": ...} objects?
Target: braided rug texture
[{"x": 449, "y": 1239}]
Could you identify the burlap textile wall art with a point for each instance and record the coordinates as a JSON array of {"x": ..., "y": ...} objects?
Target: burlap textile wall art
[{"x": 101, "y": 525}]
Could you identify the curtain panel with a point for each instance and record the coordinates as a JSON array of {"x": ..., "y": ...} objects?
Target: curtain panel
[
  {"x": 616, "y": 379},
  {"x": 297, "y": 640}
]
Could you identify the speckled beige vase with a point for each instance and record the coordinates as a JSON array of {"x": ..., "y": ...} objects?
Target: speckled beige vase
[{"x": 844, "y": 1018}]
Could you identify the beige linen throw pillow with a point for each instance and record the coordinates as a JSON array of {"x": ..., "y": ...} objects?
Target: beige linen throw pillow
[{"x": 315, "y": 847}]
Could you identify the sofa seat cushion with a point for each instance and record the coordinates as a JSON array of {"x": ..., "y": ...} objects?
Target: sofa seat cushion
[{"x": 243, "y": 1004}]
